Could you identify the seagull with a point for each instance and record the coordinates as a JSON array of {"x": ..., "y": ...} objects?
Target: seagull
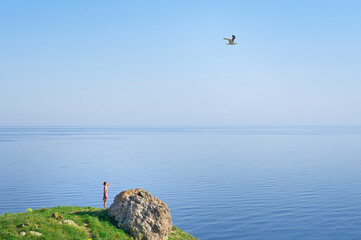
[{"x": 231, "y": 41}]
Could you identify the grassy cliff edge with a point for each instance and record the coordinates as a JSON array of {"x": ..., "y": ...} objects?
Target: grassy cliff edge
[{"x": 90, "y": 223}]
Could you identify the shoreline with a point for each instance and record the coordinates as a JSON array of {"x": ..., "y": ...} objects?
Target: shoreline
[{"x": 69, "y": 222}]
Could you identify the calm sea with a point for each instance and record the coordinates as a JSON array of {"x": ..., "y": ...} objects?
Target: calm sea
[{"x": 223, "y": 182}]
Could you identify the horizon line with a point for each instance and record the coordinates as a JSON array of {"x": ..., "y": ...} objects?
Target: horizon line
[{"x": 177, "y": 125}]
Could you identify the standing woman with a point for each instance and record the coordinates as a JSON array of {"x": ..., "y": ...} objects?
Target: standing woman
[{"x": 105, "y": 195}]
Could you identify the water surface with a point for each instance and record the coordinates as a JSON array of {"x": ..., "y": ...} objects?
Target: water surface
[{"x": 220, "y": 182}]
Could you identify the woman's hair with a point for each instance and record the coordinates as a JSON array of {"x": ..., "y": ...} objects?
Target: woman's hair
[{"x": 105, "y": 183}]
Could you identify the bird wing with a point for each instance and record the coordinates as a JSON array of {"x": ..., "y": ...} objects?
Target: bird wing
[
  {"x": 233, "y": 37},
  {"x": 229, "y": 40}
]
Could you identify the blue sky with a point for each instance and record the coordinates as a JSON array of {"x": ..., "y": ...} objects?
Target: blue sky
[{"x": 89, "y": 63}]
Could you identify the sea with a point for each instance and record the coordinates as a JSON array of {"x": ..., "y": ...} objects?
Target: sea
[{"x": 219, "y": 182}]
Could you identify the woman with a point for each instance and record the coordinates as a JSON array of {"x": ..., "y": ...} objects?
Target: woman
[{"x": 105, "y": 195}]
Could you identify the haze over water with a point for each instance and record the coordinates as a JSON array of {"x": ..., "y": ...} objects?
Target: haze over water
[{"x": 220, "y": 182}]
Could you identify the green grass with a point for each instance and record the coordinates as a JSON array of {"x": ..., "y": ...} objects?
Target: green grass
[
  {"x": 93, "y": 223},
  {"x": 176, "y": 234}
]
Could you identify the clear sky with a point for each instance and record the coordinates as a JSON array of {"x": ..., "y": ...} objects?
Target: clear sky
[{"x": 89, "y": 63}]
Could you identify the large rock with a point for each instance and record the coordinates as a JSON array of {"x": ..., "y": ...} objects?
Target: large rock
[{"x": 141, "y": 214}]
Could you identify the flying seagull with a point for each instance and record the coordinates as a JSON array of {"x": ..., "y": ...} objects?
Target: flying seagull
[{"x": 231, "y": 41}]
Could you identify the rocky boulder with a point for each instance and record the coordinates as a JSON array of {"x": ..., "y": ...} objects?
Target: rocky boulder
[{"x": 141, "y": 214}]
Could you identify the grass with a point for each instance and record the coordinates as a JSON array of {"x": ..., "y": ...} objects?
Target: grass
[
  {"x": 93, "y": 223},
  {"x": 176, "y": 234}
]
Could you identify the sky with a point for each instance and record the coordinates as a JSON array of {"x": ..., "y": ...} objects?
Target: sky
[{"x": 115, "y": 63}]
